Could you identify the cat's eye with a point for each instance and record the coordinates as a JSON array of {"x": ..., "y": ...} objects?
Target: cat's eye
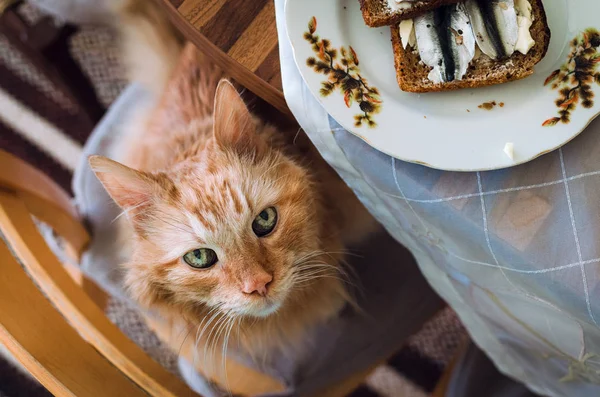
[
  {"x": 265, "y": 222},
  {"x": 201, "y": 258}
]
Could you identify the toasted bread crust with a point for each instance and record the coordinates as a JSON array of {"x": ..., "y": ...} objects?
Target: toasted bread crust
[
  {"x": 411, "y": 73},
  {"x": 376, "y": 13}
]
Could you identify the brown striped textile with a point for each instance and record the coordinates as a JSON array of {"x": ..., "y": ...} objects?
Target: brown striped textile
[{"x": 73, "y": 125}]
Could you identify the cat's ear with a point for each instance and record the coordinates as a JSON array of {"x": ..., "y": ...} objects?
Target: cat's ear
[
  {"x": 234, "y": 127},
  {"x": 127, "y": 187}
]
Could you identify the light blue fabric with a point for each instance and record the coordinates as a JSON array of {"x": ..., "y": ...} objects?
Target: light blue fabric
[
  {"x": 102, "y": 259},
  {"x": 515, "y": 252}
]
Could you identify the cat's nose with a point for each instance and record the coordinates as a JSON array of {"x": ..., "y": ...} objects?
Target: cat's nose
[{"x": 257, "y": 284}]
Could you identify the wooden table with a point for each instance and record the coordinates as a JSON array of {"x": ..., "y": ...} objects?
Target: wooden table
[{"x": 240, "y": 36}]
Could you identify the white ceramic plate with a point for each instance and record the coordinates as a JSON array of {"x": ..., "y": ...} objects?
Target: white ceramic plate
[{"x": 447, "y": 130}]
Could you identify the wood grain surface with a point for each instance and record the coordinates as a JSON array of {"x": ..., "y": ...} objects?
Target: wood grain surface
[
  {"x": 42, "y": 340},
  {"x": 17, "y": 227},
  {"x": 44, "y": 199},
  {"x": 240, "y": 36}
]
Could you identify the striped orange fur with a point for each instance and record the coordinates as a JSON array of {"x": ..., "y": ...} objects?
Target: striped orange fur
[{"x": 196, "y": 173}]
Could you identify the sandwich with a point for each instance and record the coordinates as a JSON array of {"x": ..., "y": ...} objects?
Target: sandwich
[
  {"x": 469, "y": 44},
  {"x": 378, "y": 13}
]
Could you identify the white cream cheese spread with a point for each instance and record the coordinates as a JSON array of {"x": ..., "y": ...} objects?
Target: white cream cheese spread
[
  {"x": 524, "y": 19},
  {"x": 399, "y": 4},
  {"x": 404, "y": 32},
  {"x": 407, "y": 33},
  {"x": 509, "y": 150}
]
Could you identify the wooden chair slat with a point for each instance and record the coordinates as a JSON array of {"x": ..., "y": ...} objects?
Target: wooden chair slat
[
  {"x": 44, "y": 199},
  {"x": 18, "y": 175},
  {"x": 69, "y": 228},
  {"x": 40, "y": 338},
  {"x": 77, "y": 307}
]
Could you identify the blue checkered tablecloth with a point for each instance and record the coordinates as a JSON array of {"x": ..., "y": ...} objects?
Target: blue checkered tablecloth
[{"x": 515, "y": 252}]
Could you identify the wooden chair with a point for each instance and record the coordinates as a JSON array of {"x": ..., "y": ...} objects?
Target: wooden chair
[{"x": 48, "y": 319}]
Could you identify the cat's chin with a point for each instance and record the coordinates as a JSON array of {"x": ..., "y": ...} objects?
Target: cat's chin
[{"x": 265, "y": 309}]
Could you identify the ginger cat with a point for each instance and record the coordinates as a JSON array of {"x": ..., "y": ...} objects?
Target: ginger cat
[{"x": 237, "y": 238}]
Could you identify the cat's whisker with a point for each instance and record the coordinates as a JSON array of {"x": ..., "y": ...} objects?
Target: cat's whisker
[
  {"x": 312, "y": 279},
  {"x": 198, "y": 336},
  {"x": 342, "y": 252},
  {"x": 340, "y": 269},
  {"x": 189, "y": 331},
  {"x": 214, "y": 315},
  {"x": 219, "y": 335},
  {"x": 239, "y": 331},
  {"x": 319, "y": 266},
  {"x": 315, "y": 268},
  {"x": 308, "y": 256},
  {"x": 312, "y": 273},
  {"x": 224, "y": 354},
  {"x": 207, "y": 358},
  {"x": 210, "y": 347},
  {"x": 352, "y": 274},
  {"x": 314, "y": 265},
  {"x": 309, "y": 272},
  {"x": 312, "y": 255},
  {"x": 346, "y": 269},
  {"x": 213, "y": 310},
  {"x": 226, "y": 331},
  {"x": 296, "y": 136},
  {"x": 126, "y": 211},
  {"x": 339, "y": 252},
  {"x": 314, "y": 259}
]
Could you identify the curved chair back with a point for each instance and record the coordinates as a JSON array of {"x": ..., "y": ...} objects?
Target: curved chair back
[{"x": 51, "y": 317}]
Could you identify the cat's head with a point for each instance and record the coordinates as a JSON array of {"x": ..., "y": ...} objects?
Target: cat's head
[{"x": 232, "y": 226}]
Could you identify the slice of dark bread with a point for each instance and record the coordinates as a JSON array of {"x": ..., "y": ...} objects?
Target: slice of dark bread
[
  {"x": 377, "y": 12},
  {"x": 411, "y": 73}
]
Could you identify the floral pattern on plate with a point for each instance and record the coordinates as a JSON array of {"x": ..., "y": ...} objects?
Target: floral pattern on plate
[
  {"x": 575, "y": 78},
  {"x": 343, "y": 74}
]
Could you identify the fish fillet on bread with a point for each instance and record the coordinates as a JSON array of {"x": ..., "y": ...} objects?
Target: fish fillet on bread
[{"x": 470, "y": 44}]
